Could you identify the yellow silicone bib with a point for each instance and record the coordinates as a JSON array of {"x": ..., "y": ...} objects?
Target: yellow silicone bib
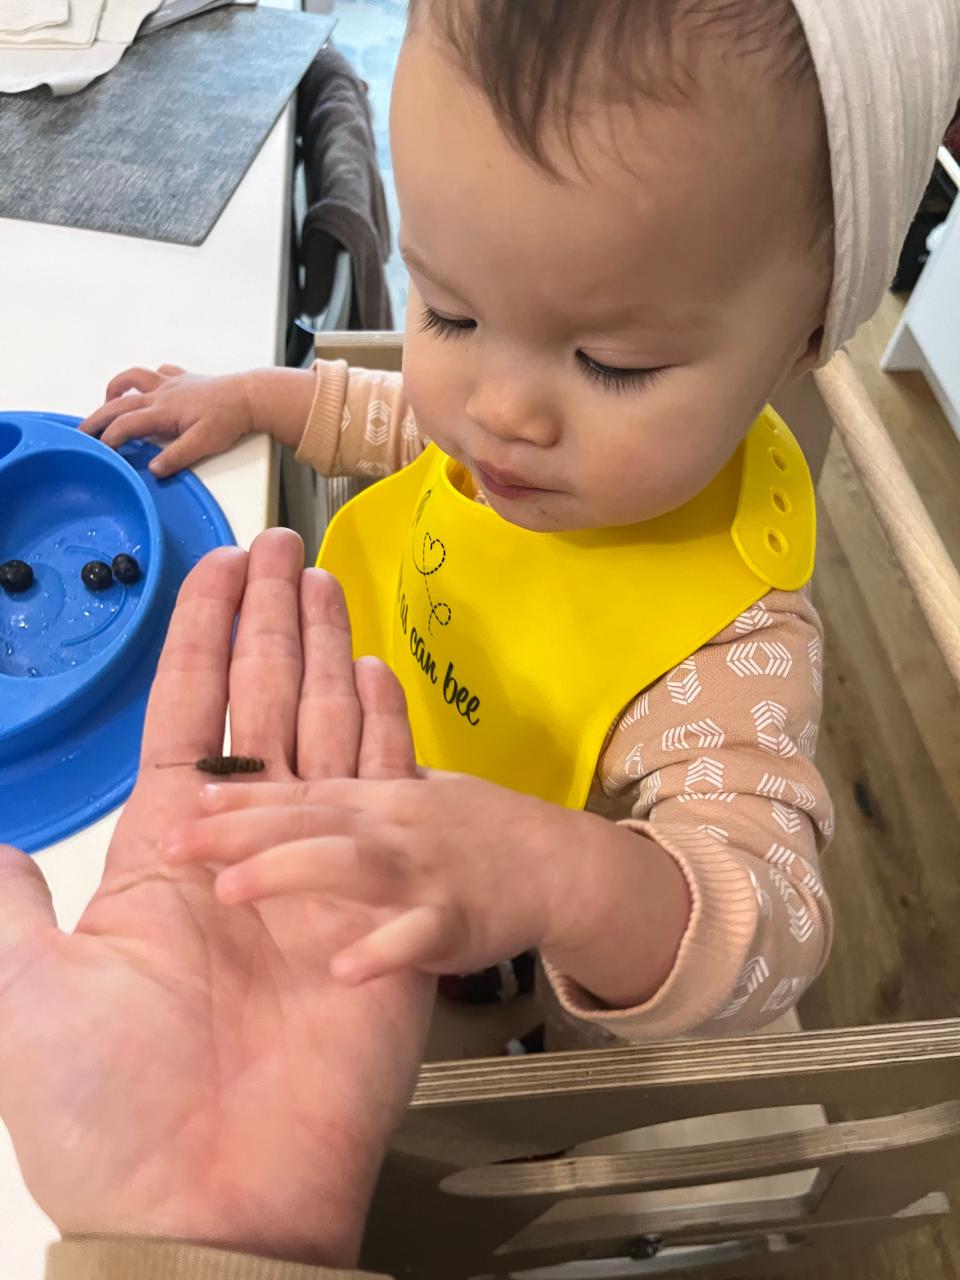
[{"x": 517, "y": 650}]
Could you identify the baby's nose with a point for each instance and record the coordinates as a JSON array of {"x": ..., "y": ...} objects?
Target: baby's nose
[{"x": 512, "y": 412}]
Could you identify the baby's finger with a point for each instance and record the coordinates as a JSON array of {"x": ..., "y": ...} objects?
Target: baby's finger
[
  {"x": 231, "y": 837},
  {"x": 375, "y": 799},
  {"x": 225, "y": 797},
  {"x": 419, "y": 939},
  {"x": 185, "y": 451},
  {"x": 136, "y": 379},
  {"x": 132, "y": 426},
  {"x": 101, "y": 418},
  {"x": 386, "y": 746},
  {"x": 333, "y": 866},
  {"x": 171, "y": 370}
]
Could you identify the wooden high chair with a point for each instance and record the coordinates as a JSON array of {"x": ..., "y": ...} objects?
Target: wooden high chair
[{"x": 712, "y": 1158}]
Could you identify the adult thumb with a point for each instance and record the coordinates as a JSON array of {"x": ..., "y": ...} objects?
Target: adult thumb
[{"x": 26, "y": 907}]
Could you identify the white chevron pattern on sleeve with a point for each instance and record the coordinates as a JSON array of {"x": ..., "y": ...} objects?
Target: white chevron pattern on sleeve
[
  {"x": 683, "y": 684},
  {"x": 799, "y": 920},
  {"x": 754, "y": 619},
  {"x": 377, "y": 430},
  {"x": 650, "y": 790},
  {"x": 704, "y": 770},
  {"x": 345, "y": 419},
  {"x": 786, "y": 993},
  {"x": 786, "y": 817},
  {"x": 754, "y": 975},
  {"x": 803, "y": 797},
  {"x": 815, "y": 653},
  {"x": 785, "y": 859},
  {"x": 705, "y": 734},
  {"x": 772, "y": 786},
  {"x": 408, "y": 428},
  {"x": 633, "y": 764},
  {"x": 639, "y": 710},
  {"x": 709, "y": 773},
  {"x": 376, "y": 469},
  {"x": 807, "y": 740},
  {"x": 760, "y": 658},
  {"x": 770, "y": 718}
]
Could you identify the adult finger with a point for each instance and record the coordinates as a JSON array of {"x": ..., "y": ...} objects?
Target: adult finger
[
  {"x": 101, "y": 418},
  {"x": 231, "y": 837},
  {"x": 136, "y": 379},
  {"x": 188, "y": 701},
  {"x": 386, "y": 744},
  {"x": 26, "y": 908},
  {"x": 329, "y": 716},
  {"x": 130, "y": 426},
  {"x": 418, "y": 939},
  {"x": 267, "y": 661},
  {"x": 334, "y": 867},
  {"x": 171, "y": 370}
]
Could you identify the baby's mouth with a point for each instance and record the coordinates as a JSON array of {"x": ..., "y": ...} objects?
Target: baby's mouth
[{"x": 506, "y": 485}]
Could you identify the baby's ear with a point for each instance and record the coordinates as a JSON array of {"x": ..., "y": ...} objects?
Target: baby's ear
[{"x": 811, "y": 356}]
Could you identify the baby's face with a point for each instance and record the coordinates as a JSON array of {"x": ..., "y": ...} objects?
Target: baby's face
[{"x": 594, "y": 349}]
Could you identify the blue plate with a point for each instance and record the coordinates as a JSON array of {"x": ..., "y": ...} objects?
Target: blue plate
[{"x": 76, "y": 665}]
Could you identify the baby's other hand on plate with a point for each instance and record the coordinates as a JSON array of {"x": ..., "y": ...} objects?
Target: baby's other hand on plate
[{"x": 201, "y": 415}]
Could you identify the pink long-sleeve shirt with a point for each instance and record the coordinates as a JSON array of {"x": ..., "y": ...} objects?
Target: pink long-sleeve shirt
[{"x": 714, "y": 762}]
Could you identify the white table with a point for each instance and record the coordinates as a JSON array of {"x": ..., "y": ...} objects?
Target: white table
[
  {"x": 928, "y": 335},
  {"x": 77, "y": 307}
]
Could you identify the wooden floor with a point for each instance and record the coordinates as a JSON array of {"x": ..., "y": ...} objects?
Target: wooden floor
[{"x": 890, "y": 749}]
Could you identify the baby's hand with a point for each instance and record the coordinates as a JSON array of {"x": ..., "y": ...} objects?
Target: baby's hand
[
  {"x": 203, "y": 415},
  {"x": 455, "y": 873}
]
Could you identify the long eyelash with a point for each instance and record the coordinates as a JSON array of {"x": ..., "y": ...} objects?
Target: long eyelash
[
  {"x": 443, "y": 326},
  {"x": 618, "y": 379}
]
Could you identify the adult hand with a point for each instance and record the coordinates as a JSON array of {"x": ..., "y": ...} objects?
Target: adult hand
[{"x": 179, "y": 1068}]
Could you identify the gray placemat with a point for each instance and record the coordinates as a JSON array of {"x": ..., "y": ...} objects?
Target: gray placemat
[{"x": 157, "y": 147}]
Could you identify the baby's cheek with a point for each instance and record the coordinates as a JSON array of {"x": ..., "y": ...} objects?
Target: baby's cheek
[
  {"x": 433, "y": 384},
  {"x": 658, "y": 456}
]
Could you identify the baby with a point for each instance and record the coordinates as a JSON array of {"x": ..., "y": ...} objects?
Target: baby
[{"x": 589, "y": 569}]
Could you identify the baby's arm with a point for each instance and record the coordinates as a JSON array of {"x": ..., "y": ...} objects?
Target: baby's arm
[
  {"x": 702, "y": 911},
  {"x": 341, "y": 421},
  {"x": 716, "y": 759},
  {"x": 359, "y": 423}
]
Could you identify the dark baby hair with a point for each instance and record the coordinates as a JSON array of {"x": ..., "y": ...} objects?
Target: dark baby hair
[{"x": 534, "y": 60}]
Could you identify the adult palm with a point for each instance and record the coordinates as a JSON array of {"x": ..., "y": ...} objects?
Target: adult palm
[{"x": 175, "y": 1067}]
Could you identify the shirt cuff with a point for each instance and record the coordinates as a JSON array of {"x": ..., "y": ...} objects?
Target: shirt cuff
[
  {"x": 713, "y": 953},
  {"x": 125, "y": 1258},
  {"x": 319, "y": 443}
]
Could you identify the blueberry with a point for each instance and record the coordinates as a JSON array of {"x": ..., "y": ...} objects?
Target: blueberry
[
  {"x": 96, "y": 576},
  {"x": 126, "y": 570},
  {"x": 15, "y": 576}
]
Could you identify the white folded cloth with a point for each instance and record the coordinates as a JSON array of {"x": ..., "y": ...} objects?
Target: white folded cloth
[
  {"x": 889, "y": 74},
  {"x": 67, "y": 70},
  {"x": 78, "y": 32},
  {"x": 31, "y": 15}
]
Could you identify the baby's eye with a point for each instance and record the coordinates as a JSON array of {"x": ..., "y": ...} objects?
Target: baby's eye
[
  {"x": 444, "y": 326},
  {"x": 612, "y": 378}
]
